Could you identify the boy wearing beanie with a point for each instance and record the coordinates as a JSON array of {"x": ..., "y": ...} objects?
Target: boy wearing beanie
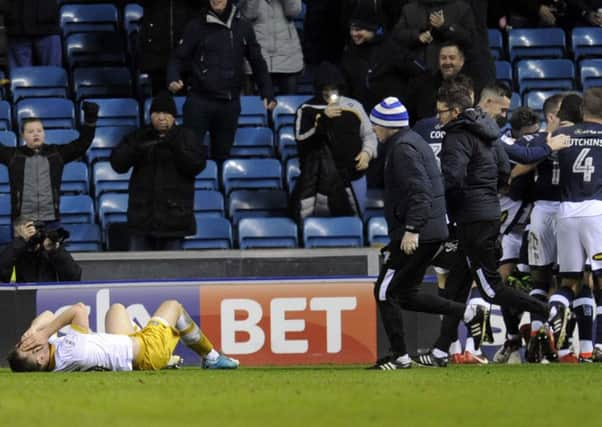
[
  {"x": 415, "y": 214},
  {"x": 165, "y": 159}
]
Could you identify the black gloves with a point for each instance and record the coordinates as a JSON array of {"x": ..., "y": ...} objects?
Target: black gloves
[{"x": 90, "y": 112}]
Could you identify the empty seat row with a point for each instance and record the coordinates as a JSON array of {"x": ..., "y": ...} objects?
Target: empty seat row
[{"x": 546, "y": 43}]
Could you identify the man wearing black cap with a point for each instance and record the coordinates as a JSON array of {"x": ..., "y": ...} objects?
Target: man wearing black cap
[
  {"x": 165, "y": 159},
  {"x": 215, "y": 46}
]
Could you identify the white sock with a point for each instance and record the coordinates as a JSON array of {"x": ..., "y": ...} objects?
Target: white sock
[
  {"x": 470, "y": 312},
  {"x": 405, "y": 359},
  {"x": 536, "y": 325},
  {"x": 470, "y": 345},
  {"x": 456, "y": 347},
  {"x": 439, "y": 353},
  {"x": 212, "y": 355}
]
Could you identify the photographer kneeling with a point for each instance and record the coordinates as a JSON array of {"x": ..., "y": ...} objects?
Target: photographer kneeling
[{"x": 37, "y": 254}]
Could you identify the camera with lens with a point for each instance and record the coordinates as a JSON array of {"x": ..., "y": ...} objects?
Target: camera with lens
[{"x": 58, "y": 235}]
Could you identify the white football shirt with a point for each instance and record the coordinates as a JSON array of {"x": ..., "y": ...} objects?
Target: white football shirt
[{"x": 77, "y": 351}]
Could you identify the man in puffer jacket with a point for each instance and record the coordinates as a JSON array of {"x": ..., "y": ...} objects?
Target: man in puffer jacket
[{"x": 276, "y": 34}]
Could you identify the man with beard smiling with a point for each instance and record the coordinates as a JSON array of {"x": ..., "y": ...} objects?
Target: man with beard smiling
[{"x": 422, "y": 99}]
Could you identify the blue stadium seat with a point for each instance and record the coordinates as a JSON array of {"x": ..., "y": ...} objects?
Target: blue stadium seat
[
  {"x": 211, "y": 233},
  {"x": 267, "y": 233},
  {"x": 55, "y": 113},
  {"x": 292, "y": 173},
  {"x": 8, "y": 138},
  {"x": 5, "y": 234},
  {"x": 287, "y": 144},
  {"x": 83, "y": 238},
  {"x": 179, "y": 100},
  {"x": 209, "y": 203},
  {"x": 105, "y": 139},
  {"x": 80, "y": 18},
  {"x": 535, "y": 99},
  {"x": 586, "y": 42},
  {"x": 75, "y": 178},
  {"x": 378, "y": 232},
  {"x": 77, "y": 209},
  {"x": 252, "y": 112},
  {"x": 95, "y": 49},
  {"x": 536, "y": 43},
  {"x": 112, "y": 208},
  {"x": 38, "y": 82},
  {"x": 251, "y": 173},
  {"x": 590, "y": 73},
  {"x": 105, "y": 179},
  {"x": 132, "y": 16},
  {"x": 375, "y": 203},
  {"x": 60, "y": 136},
  {"x": 496, "y": 43},
  {"x": 545, "y": 74},
  {"x": 256, "y": 203},
  {"x": 5, "y": 116},
  {"x": 503, "y": 72},
  {"x": 5, "y": 207},
  {"x": 333, "y": 232},
  {"x": 207, "y": 179},
  {"x": 4, "y": 180},
  {"x": 116, "y": 112},
  {"x": 92, "y": 82},
  {"x": 515, "y": 101},
  {"x": 253, "y": 142},
  {"x": 284, "y": 113}
]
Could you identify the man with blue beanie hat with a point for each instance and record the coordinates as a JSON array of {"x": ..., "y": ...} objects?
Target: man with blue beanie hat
[{"x": 415, "y": 214}]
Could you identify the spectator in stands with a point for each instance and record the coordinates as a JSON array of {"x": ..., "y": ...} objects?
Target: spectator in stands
[
  {"x": 215, "y": 46},
  {"x": 422, "y": 96},
  {"x": 37, "y": 255},
  {"x": 276, "y": 34},
  {"x": 34, "y": 33},
  {"x": 336, "y": 143},
  {"x": 551, "y": 13},
  {"x": 324, "y": 31},
  {"x": 4, "y": 11},
  {"x": 426, "y": 24},
  {"x": 165, "y": 159},
  {"x": 375, "y": 66},
  {"x": 160, "y": 30},
  {"x": 36, "y": 168},
  {"x": 481, "y": 67},
  {"x": 589, "y": 12}
]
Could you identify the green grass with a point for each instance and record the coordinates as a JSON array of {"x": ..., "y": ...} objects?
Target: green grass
[{"x": 516, "y": 396}]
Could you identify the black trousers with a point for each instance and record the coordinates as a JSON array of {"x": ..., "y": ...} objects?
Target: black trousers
[
  {"x": 478, "y": 241},
  {"x": 218, "y": 117},
  {"x": 397, "y": 288},
  {"x": 457, "y": 288}
]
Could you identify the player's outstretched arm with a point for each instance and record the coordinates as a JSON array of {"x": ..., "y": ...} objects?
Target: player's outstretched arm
[{"x": 76, "y": 315}]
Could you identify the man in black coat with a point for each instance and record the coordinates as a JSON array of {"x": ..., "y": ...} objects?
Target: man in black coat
[
  {"x": 471, "y": 171},
  {"x": 415, "y": 214},
  {"x": 34, "y": 33},
  {"x": 37, "y": 255},
  {"x": 161, "y": 28},
  {"x": 215, "y": 46},
  {"x": 165, "y": 159}
]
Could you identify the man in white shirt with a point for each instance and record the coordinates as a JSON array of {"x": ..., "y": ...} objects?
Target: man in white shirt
[{"x": 121, "y": 349}]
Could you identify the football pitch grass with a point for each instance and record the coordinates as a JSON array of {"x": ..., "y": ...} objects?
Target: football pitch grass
[{"x": 523, "y": 395}]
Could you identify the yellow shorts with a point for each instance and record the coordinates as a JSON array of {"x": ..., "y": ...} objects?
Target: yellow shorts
[{"x": 157, "y": 343}]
